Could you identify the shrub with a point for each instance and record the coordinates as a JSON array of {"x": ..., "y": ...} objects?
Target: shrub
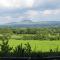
[
  {"x": 5, "y": 49},
  {"x": 19, "y": 51}
]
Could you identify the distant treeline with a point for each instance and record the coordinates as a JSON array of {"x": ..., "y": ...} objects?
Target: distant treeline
[{"x": 48, "y": 33}]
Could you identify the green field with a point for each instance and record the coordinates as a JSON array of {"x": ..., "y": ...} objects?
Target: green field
[{"x": 37, "y": 45}]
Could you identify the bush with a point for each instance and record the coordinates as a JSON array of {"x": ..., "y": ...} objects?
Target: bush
[
  {"x": 19, "y": 51},
  {"x": 5, "y": 49}
]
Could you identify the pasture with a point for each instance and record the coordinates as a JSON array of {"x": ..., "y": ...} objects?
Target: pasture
[
  {"x": 40, "y": 39},
  {"x": 37, "y": 45}
]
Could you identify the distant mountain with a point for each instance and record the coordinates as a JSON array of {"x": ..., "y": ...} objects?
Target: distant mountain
[
  {"x": 21, "y": 22},
  {"x": 26, "y": 21},
  {"x": 30, "y": 23}
]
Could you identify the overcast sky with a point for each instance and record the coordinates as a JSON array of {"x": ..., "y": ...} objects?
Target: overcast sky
[{"x": 36, "y": 10}]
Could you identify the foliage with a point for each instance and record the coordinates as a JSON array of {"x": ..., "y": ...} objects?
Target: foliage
[
  {"x": 19, "y": 51},
  {"x": 25, "y": 51},
  {"x": 28, "y": 49},
  {"x": 46, "y": 33},
  {"x": 5, "y": 49}
]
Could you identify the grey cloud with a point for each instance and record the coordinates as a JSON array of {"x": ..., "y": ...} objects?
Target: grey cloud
[{"x": 46, "y": 4}]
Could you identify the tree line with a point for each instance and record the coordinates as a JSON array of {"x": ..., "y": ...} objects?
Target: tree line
[{"x": 47, "y": 33}]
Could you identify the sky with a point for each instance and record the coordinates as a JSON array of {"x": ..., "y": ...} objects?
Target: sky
[{"x": 35, "y": 10}]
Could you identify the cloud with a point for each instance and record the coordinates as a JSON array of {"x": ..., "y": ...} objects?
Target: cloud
[
  {"x": 35, "y": 15},
  {"x": 9, "y": 19},
  {"x": 5, "y": 19},
  {"x": 46, "y": 4},
  {"x": 33, "y": 4},
  {"x": 16, "y": 3},
  {"x": 51, "y": 12},
  {"x": 31, "y": 13},
  {"x": 16, "y": 10}
]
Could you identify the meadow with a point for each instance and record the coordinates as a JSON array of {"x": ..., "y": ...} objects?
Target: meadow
[
  {"x": 30, "y": 42},
  {"x": 37, "y": 45}
]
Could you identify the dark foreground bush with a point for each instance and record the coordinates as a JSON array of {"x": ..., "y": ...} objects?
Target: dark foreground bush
[{"x": 25, "y": 51}]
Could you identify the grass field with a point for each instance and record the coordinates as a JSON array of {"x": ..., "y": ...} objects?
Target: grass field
[{"x": 37, "y": 45}]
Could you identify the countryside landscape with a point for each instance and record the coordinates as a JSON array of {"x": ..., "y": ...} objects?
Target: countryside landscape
[
  {"x": 29, "y": 29},
  {"x": 30, "y": 41}
]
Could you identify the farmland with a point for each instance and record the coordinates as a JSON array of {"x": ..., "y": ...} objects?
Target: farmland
[
  {"x": 40, "y": 39},
  {"x": 30, "y": 41},
  {"x": 37, "y": 45}
]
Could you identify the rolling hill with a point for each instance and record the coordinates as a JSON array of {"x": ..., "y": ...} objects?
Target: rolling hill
[{"x": 30, "y": 23}]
